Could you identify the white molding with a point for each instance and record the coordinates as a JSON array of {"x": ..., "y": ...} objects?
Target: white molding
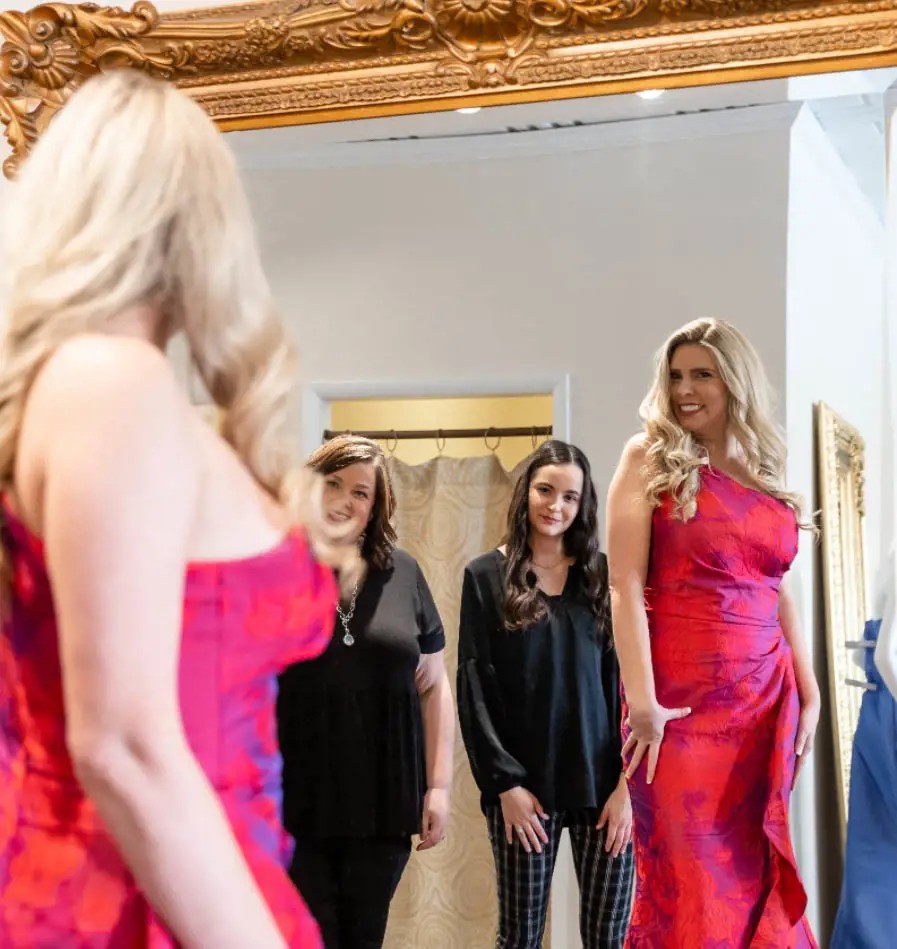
[
  {"x": 808, "y": 133},
  {"x": 850, "y": 83},
  {"x": 315, "y": 418},
  {"x": 317, "y": 397},
  {"x": 501, "y": 144}
]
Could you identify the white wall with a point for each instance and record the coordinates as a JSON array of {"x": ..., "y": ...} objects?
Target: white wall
[
  {"x": 414, "y": 274},
  {"x": 582, "y": 262},
  {"x": 889, "y": 440},
  {"x": 579, "y": 262},
  {"x": 835, "y": 353}
]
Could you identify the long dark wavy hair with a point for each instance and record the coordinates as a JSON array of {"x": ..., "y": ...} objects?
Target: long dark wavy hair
[
  {"x": 523, "y": 605},
  {"x": 345, "y": 450}
]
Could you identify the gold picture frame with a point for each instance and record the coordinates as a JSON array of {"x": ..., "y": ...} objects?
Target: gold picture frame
[
  {"x": 282, "y": 62},
  {"x": 841, "y": 479}
]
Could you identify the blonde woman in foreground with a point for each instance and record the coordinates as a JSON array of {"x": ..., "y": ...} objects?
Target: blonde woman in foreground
[
  {"x": 155, "y": 579},
  {"x": 721, "y": 701}
]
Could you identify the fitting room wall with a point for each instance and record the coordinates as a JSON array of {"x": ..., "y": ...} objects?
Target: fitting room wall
[{"x": 407, "y": 271}]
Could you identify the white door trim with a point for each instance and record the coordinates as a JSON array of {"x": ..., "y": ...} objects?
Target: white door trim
[{"x": 316, "y": 401}]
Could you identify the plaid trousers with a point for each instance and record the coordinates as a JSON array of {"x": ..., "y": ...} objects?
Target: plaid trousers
[{"x": 524, "y": 884}]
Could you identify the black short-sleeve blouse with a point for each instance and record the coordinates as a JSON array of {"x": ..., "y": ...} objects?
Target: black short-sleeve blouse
[{"x": 349, "y": 722}]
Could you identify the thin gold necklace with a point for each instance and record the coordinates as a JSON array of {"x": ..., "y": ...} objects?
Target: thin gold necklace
[{"x": 545, "y": 566}]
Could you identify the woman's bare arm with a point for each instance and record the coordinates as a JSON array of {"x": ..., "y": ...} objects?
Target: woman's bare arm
[
  {"x": 628, "y": 543},
  {"x": 807, "y": 687},
  {"x": 118, "y": 478},
  {"x": 629, "y": 516},
  {"x": 438, "y": 711}
]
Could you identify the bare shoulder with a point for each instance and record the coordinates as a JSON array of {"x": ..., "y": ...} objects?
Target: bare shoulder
[
  {"x": 105, "y": 426},
  {"x": 633, "y": 458},
  {"x": 635, "y": 451},
  {"x": 95, "y": 366},
  {"x": 627, "y": 491},
  {"x": 113, "y": 397}
]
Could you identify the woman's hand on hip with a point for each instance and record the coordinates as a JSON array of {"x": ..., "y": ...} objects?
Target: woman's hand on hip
[
  {"x": 523, "y": 816},
  {"x": 647, "y": 726}
]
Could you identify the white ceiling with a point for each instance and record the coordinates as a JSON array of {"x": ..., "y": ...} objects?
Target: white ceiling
[
  {"x": 849, "y": 106},
  {"x": 509, "y": 118},
  {"x": 591, "y": 110}
]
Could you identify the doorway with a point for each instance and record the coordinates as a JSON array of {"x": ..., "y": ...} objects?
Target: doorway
[{"x": 453, "y": 493}]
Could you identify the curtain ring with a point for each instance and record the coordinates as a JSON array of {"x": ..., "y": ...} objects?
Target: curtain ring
[
  {"x": 532, "y": 436},
  {"x": 391, "y": 448},
  {"x": 440, "y": 442},
  {"x": 492, "y": 448}
]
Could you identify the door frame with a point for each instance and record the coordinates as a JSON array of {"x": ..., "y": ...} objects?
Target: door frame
[{"x": 317, "y": 397}]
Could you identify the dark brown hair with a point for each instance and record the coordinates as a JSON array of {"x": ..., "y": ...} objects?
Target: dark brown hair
[
  {"x": 523, "y": 605},
  {"x": 345, "y": 450}
]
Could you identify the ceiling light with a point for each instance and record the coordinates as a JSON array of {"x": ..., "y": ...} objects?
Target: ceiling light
[
  {"x": 650, "y": 93},
  {"x": 471, "y": 110}
]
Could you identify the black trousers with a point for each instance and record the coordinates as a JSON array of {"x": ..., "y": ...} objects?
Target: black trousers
[
  {"x": 524, "y": 885},
  {"x": 348, "y": 883}
]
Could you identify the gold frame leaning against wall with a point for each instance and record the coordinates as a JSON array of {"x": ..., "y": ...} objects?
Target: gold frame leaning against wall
[
  {"x": 279, "y": 62},
  {"x": 840, "y": 467}
]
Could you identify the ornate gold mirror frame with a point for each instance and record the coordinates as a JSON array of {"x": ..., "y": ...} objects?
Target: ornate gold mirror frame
[
  {"x": 840, "y": 468},
  {"x": 277, "y": 62}
]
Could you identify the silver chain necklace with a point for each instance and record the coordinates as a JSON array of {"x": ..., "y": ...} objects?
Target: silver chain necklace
[{"x": 346, "y": 618}]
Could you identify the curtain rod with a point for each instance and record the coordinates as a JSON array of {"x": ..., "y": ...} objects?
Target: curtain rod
[{"x": 521, "y": 431}]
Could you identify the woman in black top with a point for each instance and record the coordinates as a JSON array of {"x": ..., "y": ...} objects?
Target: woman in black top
[
  {"x": 367, "y": 730},
  {"x": 538, "y": 697}
]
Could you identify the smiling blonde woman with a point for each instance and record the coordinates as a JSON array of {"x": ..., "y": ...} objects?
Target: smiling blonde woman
[
  {"x": 156, "y": 576},
  {"x": 721, "y": 701}
]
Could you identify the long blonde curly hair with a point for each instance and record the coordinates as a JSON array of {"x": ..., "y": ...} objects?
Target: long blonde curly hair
[
  {"x": 674, "y": 457},
  {"x": 132, "y": 196}
]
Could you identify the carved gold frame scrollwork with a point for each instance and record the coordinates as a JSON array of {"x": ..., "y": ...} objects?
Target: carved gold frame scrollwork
[
  {"x": 841, "y": 479},
  {"x": 276, "y": 62}
]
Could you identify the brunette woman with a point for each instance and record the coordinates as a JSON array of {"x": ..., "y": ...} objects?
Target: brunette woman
[
  {"x": 538, "y": 697},
  {"x": 367, "y": 730}
]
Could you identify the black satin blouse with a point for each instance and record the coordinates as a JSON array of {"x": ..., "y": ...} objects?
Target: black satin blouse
[{"x": 539, "y": 707}]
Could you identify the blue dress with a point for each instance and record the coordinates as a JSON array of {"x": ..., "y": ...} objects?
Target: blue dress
[{"x": 867, "y": 916}]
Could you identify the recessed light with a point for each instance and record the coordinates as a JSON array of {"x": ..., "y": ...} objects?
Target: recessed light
[
  {"x": 650, "y": 93},
  {"x": 470, "y": 110}
]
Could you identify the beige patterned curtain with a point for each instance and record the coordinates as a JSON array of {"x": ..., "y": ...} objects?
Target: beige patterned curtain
[{"x": 449, "y": 511}]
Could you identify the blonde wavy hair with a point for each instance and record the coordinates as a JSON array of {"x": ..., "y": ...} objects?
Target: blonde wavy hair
[
  {"x": 132, "y": 196},
  {"x": 674, "y": 457}
]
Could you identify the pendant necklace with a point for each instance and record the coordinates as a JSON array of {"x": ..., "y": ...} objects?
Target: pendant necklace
[{"x": 346, "y": 618}]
